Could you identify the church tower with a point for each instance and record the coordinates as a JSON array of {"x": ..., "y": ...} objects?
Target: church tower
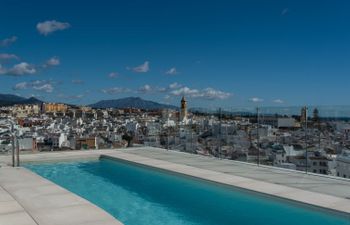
[{"x": 183, "y": 112}]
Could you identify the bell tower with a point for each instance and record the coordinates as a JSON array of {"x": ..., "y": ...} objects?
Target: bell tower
[{"x": 183, "y": 112}]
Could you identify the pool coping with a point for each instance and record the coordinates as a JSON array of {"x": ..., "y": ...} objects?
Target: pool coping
[
  {"x": 308, "y": 198},
  {"x": 29, "y": 199}
]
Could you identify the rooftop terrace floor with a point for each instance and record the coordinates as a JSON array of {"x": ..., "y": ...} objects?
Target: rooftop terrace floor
[
  {"x": 312, "y": 182},
  {"x": 26, "y": 198}
]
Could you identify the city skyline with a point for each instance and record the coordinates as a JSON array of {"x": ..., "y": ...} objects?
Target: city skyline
[{"x": 276, "y": 53}]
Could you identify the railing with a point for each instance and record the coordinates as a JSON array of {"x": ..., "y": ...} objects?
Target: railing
[{"x": 309, "y": 141}]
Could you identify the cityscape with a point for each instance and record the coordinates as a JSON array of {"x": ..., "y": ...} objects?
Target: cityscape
[
  {"x": 179, "y": 112},
  {"x": 298, "y": 142}
]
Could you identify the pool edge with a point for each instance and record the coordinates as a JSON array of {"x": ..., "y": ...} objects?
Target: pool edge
[
  {"x": 24, "y": 187},
  {"x": 322, "y": 203}
]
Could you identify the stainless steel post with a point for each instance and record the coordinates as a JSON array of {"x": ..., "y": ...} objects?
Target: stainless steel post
[
  {"x": 17, "y": 152},
  {"x": 13, "y": 150}
]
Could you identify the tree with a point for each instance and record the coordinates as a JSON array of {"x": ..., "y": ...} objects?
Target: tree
[
  {"x": 128, "y": 137},
  {"x": 315, "y": 115}
]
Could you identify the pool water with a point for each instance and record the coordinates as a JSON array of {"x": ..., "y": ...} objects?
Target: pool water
[{"x": 137, "y": 195}]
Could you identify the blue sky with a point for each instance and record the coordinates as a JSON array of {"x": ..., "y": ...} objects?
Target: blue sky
[{"x": 217, "y": 53}]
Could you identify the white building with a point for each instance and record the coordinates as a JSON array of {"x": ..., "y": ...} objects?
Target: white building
[
  {"x": 343, "y": 164},
  {"x": 285, "y": 122}
]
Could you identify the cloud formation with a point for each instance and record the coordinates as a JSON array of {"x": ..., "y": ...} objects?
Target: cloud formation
[
  {"x": 53, "y": 61},
  {"x": 113, "y": 75},
  {"x": 278, "y": 101},
  {"x": 19, "y": 69},
  {"x": 143, "y": 68},
  {"x": 207, "y": 93},
  {"x": 24, "y": 68},
  {"x": 173, "y": 90},
  {"x": 38, "y": 85},
  {"x": 8, "y": 41},
  {"x": 7, "y": 57},
  {"x": 256, "y": 99},
  {"x": 174, "y": 85},
  {"x": 115, "y": 90},
  {"x": 145, "y": 89},
  {"x": 171, "y": 71},
  {"x": 50, "y": 26}
]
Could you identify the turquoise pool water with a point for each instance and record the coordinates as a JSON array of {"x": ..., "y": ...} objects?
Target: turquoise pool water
[{"x": 141, "y": 196}]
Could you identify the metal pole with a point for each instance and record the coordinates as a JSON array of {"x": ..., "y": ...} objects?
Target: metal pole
[
  {"x": 257, "y": 134},
  {"x": 13, "y": 143},
  {"x": 167, "y": 134},
  {"x": 17, "y": 152},
  {"x": 220, "y": 133},
  {"x": 191, "y": 124},
  {"x": 306, "y": 150},
  {"x": 13, "y": 150}
]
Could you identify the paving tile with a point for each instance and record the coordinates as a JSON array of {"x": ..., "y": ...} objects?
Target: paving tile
[
  {"x": 9, "y": 207},
  {"x": 18, "y": 218}
]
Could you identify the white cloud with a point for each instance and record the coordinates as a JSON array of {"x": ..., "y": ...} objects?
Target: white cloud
[
  {"x": 185, "y": 91},
  {"x": 162, "y": 89},
  {"x": 38, "y": 85},
  {"x": 145, "y": 89},
  {"x": 115, "y": 90},
  {"x": 113, "y": 75},
  {"x": 167, "y": 89},
  {"x": 8, "y": 41},
  {"x": 5, "y": 57},
  {"x": 20, "y": 69},
  {"x": 175, "y": 85},
  {"x": 53, "y": 61},
  {"x": 207, "y": 93},
  {"x": 171, "y": 71},
  {"x": 211, "y": 94},
  {"x": 45, "y": 87},
  {"x": 278, "y": 101},
  {"x": 48, "y": 27},
  {"x": 256, "y": 99},
  {"x": 25, "y": 68},
  {"x": 143, "y": 68},
  {"x": 21, "y": 86}
]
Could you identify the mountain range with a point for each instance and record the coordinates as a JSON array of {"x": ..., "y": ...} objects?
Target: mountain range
[
  {"x": 131, "y": 102},
  {"x": 10, "y": 100}
]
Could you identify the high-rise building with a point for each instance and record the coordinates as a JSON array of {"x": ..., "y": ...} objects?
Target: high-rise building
[
  {"x": 303, "y": 115},
  {"x": 316, "y": 117},
  {"x": 55, "y": 107},
  {"x": 183, "y": 112}
]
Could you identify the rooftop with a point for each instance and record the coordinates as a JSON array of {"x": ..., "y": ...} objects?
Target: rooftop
[{"x": 24, "y": 195}]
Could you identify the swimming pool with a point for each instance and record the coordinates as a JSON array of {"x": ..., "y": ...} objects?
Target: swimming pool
[{"x": 137, "y": 195}]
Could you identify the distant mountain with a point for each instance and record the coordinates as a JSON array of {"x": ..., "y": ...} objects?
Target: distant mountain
[
  {"x": 32, "y": 100},
  {"x": 131, "y": 102},
  {"x": 9, "y": 100},
  {"x": 223, "y": 111}
]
